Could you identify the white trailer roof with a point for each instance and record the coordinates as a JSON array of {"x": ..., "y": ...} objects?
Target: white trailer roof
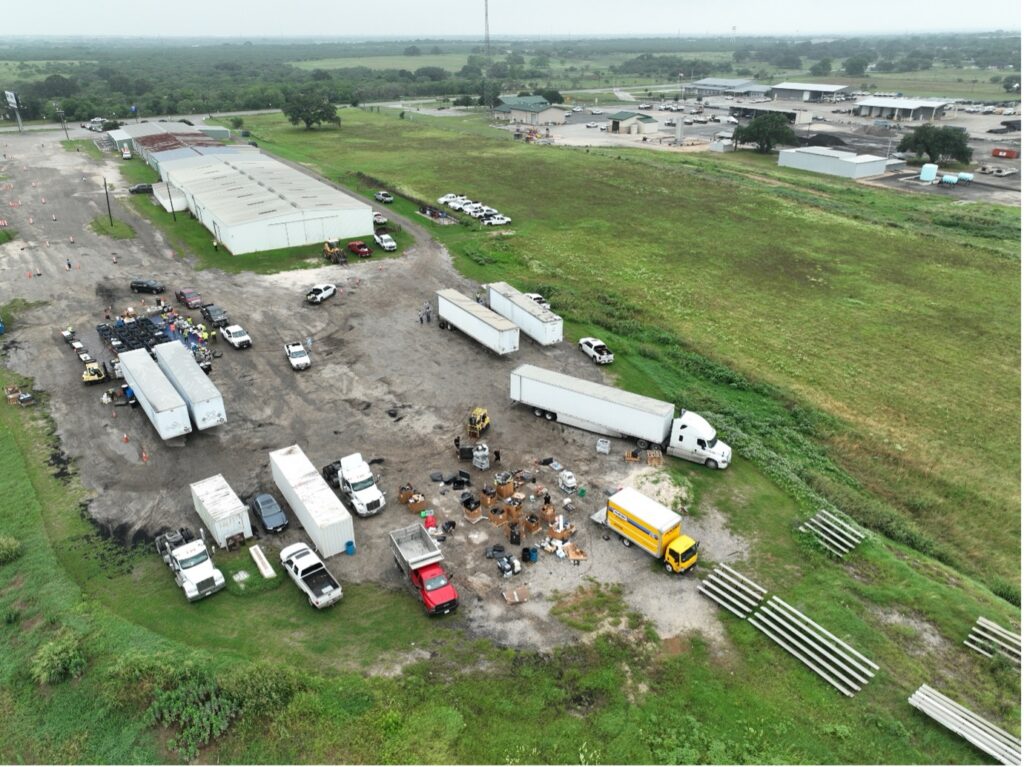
[
  {"x": 900, "y": 103},
  {"x": 599, "y": 391},
  {"x": 479, "y": 311},
  {"x": 187, "y": 371},
  {"x": 821, "y": 87},
  {"x": 217, "y": 497},
  {"x": 151, "y": 380},
  {"x": 320, "y": 501},
  {"x": 647, "y": 509},
  {"x": 528, "y": 305}
]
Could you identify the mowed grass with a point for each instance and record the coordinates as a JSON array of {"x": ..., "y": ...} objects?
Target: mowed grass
[
  {"x": 938, "y": 82},
  {"x": 873, "y": 307},
  {"x": 114, "y": 228}
]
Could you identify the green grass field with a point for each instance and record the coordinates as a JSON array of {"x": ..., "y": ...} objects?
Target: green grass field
[
  {"x": 114, "y": 228},
  {"x": 937, "y": 82}
]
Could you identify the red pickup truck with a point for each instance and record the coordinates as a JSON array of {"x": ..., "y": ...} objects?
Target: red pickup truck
[{"x": 360, "y": 249}]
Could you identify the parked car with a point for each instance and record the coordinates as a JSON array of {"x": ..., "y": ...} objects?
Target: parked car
[
  {"x": 596, "y": 350},
  {"x": 269, "y": 512},
  {"x": 147, "y": 286},
  {"x": 385, "y": 241},
  {"x": 320, "y": 293},
  {"x": 236, "y": 336},
  {"x": 446, "y": 198},
  {"x": 597, "y": 111},
  {"x": 496, "y": 220},
  {"x": 297, "y": 356},
  {"x": 591, "y": 125},
  {"x": 190, "y": 297},
  {"x": 577, "y": 109},
  {"x": 383, "y": 197},
  {"x": 538, "y": 299},
  {"x": 214, "y": 315},
  {"x": 140, "y": 189},
  {"x": 360, "y": 249},
  {"x": 378, "y": 218}
]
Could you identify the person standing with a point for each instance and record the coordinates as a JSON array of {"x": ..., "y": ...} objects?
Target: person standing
[
  {"x": 68, "y": 265},
  {"x": 497, "y": 456}
]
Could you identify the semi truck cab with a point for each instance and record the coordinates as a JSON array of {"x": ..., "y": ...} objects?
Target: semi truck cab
[
  {"x": 359, "y": 486},
  {"x": 694, "y": 439}
]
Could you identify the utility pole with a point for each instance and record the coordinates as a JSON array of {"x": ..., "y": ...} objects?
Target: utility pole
[
  {"x": 106, "y": 191},
  {"x": 63, "y": 124},
  {"x": 170, "y": 199},
  {"x": 487, "y": 51}
]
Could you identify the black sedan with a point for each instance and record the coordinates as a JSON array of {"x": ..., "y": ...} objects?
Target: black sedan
[
  {"x": 269, "y": 512},
  {"x": 140, "y": 188},
  {"x": 147, "y": 286}
]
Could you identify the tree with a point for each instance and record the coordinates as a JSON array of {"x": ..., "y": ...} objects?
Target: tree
[
  {"x": 766, "y": 131},
  {"x": 938, "y": 143},
  {"x": 552, "y": 96},
  {"x": 413, "y": 50},
  {"x": 236, "y": 122},
  {"x": 57, "y": 86},
  {"x": 856, "y": 66},
  {"x": 822, "y": 69},
  {"x": 1011, "y": 83},
  {"x": 310, "y": 108},
  {"x": 321, "y": 74},
  {"x": 432, "y": 74},
  {"x": 436, "y": 51}
]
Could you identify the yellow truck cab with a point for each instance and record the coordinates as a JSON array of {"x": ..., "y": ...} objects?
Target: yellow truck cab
[{"x": 650, "y": 525}]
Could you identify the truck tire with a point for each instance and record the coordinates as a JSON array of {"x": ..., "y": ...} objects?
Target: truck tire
[
  {"x": 625, "y": 541},
  {"x": 711, "y": 463},
  {"x": 550, "y": 416},
  {"x": 538, "y": 412},
  {"x": 668, "y": 569},
  {"x": 643, "y": 444}
]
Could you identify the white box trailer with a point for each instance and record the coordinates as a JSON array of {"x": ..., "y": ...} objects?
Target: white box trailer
[
  {"x": 322, "y": 514},
  {"x": 202, "y": 398},
  {"x": 492, "y": 330},
  {"x": 540, "y": 324},
  {"x": 223, "y": 513},
  {"x": 607, "y": 410},
  {"x": 158, "y": 398}
]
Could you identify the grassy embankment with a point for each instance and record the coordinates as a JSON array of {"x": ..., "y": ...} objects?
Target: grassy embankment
[
  {"x": 83, "y": 145},
  {"x": 114, "y": 228}
]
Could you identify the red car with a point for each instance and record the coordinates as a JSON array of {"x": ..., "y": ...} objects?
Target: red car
[
  {"x": 190, "y": 297},
  {"x": 360, "y": 249}
]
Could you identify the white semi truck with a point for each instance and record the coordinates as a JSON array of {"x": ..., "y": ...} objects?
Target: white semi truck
[
  {"x": 190, "y": 561},
  {"x": 202, "y": 398},
  {"x": 321, "y": 512},
  {"x": 538, "y": 322},
  {"x": 157, "y": 396},
  {"x": 352, "y": 476},
  {"x": 455, "y": 310},
  {"x": 607, "y": 410}
]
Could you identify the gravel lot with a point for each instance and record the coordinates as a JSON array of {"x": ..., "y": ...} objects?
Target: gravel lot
[{"x": 371, "y": 356}]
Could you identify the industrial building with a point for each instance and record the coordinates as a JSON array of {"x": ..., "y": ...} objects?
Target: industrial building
[
  {"x": 251, "y": 202},
  {"x": 717, "y": 86},
  {"x": 833, "y": 162},
  {"x": 795, "y": 116},
  {"x": 902, "y": 109},
  {"x": 632, "y": 122},
  {"x": 529, "y": 110},
  {"x": 807, "y": 91}
]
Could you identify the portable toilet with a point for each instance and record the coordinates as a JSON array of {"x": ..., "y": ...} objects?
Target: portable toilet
[
  {"x": 966, "y": 178},
  {"x": 949, "y": 179},
  {"x": 928, "y": 172}
]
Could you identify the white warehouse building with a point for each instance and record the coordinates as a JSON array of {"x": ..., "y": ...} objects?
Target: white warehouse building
[
  {"x": 833, "y": 162},
  {"x": 251, "y": 202}
]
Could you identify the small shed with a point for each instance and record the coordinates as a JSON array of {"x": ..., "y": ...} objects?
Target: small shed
[{"x": 632, "y": 122}]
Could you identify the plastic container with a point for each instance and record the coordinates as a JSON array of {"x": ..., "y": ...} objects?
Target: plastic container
[{"x": 350, "y": 548}]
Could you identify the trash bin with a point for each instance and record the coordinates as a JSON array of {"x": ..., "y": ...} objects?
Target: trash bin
[
  {"x": 533, "y": 553},
  {"x": 350, "y": 547}
]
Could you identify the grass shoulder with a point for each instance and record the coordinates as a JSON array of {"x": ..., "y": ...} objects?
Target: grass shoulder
[{"x": 114, "y": 228}]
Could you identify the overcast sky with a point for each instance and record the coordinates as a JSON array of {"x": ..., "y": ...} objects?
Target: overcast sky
[{"x": 556, "y": 18}]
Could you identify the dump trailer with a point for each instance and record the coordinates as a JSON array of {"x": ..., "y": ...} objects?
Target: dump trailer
[
  {"x": 540, "y": 324},
  {"x": 650, "y": 525},
  {"x": 202, "y": 398},
  {"x": 157, "y": 396},
  {"x": 454, "y": 310},
  {"x": 322, "y": 514},
  {"x": 607, "y": 410},
  {"x": 224, "y": 515},
  {"x": 419, "y": 557}
]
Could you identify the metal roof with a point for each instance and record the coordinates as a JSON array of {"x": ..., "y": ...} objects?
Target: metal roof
[
  {"x": 823, "y": 87},
  {"x": 479, "y": 311},
  {"x": 528, "y": 305},
  {"x": 535, "y": 108},
  {"x": 136, "y": 130},
  {"x": 187, "y": 372},
  {"x": 620, "y": 116},
  {"x": 247, "y": 187},
  {"x": 835, "y": 154},
  {"x": 158, "y": 391},
  {"x": 720, "y": 82},
  {"x": 320, "y": 502},
  {"x": 903, "y": 103},
  {"x": 217, "y": 497}
]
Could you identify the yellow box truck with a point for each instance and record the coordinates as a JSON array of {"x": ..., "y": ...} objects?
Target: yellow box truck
[{"x": 650, "y": 525}]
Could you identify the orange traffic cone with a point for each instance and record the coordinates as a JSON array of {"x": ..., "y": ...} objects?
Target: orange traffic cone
[
  {"x": 124, "y": 438},
  {"x": 145, "y": 456}
]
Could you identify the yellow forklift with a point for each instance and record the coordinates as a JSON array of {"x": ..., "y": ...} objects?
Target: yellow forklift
[
  {"x": 93, "y": 373},
  {"x": 477, "y": 422}
]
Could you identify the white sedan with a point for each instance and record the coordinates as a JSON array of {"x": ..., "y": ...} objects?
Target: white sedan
[
  {"x": 596, "y": 350},
  {"x": 320, "y": 293},
  {"x": 591, "y": 125},
  {"x": 297, "y": 356}
]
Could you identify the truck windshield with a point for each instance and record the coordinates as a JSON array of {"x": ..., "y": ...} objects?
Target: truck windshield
[
  {"x": 194, "y": 560},
  {"x": 362, "y": 484},
  {"x": 438, "y": 581},
  {"x": 713, "y": 441},
  {"x": 689, "y": 554}
]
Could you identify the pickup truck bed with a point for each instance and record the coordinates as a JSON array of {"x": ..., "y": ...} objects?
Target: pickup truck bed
[{"x": 319, "y": 582}]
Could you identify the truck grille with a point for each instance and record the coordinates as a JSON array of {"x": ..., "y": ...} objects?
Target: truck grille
[
  {"x": 447, "y": 607},
  {"x": 373, "y": 505},
  {"x": 205, "y": 586}
]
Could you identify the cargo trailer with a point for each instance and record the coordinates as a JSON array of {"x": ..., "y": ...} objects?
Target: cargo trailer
[
  {"x": 322, "y": 514},
  {"x": 454, "y": 310},
  {"x": 157, "y": 396},
  {"x": 202, "y": 398},
  {"x": 652, "y": 526},
  {"x": 607, "y": 410},
  {"x": 540, "y": 324},
  {"x": 224, "y": 515}
]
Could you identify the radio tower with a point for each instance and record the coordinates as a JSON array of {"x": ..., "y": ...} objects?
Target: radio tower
[{"x": 487, "y": 51}]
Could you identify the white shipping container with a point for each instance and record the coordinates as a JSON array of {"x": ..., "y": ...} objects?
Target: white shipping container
[
  {"x": 540, "y": 324},
  {"x": 325, "y": 518},
  {"x": 158, "y": 398},
  {"x": 202, "y": 398},
  {"x": 492, "y": 330},
  {"x": 220, "y": 509},
  {"x": 591, "y": 406}
]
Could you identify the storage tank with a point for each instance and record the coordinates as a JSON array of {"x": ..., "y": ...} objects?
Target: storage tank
[{"x": 324, "y": 517}]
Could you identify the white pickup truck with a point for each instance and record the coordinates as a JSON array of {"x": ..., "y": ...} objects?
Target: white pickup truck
[
  {"x": 190, "y": 562},
  {"x": 310, "y": 575}
]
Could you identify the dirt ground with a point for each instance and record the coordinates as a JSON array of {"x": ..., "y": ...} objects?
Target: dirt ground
[{"x": 381, "y": 383}]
